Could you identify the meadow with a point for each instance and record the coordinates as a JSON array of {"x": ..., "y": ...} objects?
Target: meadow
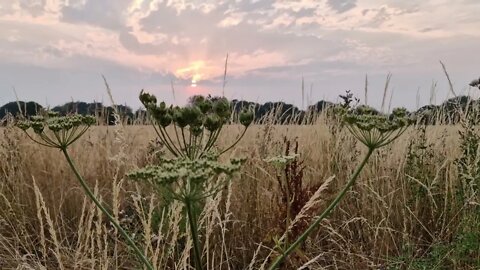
[{"x": 414, "y": 206}]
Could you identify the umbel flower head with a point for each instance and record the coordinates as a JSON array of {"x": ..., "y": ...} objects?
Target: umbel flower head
[
  {"x": 475, "y": 83},
  {"x": 56, "y": 131},
  {"x": 187, "y": 179},
  {"x": 196, "y": 127},
  {"x": 281, "y": 160},
  {"x": 373, "y": 129}
]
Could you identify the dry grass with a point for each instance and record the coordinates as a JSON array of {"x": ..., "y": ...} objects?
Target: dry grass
[{"x": 46, "y": 222}]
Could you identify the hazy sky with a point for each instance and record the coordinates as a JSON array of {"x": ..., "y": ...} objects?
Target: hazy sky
[{"x": 53, "y": 51}]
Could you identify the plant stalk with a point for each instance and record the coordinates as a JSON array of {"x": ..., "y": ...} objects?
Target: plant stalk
[
  {"x": 90, "y": 194},
  {"x": 327, "y": 211},
  {"x": 192, "y": 220}
]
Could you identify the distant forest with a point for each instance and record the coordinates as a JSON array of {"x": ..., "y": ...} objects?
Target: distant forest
[{"x": 449, "y": 112}]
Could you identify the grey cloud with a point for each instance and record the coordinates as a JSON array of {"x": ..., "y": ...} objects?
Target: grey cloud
[
  {"x": 342, "y": 5},
  {"x": 242, "y": 38},
  {"x": 106, "y": 13},
  {"x": 34, "y": 7},
  {"x": 382, "y": 16},
  {"x": 52, "y": 51},
  {"x": 253, "y": 6},
  {"x": 191, "y": 21},
  {"x": 82, "y": 82},
  {"x": 428, "y": 29},
  {"x": 413, "y": 61}
]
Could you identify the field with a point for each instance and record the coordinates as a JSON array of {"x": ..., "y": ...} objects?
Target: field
[{"x": 412, "y": 207}]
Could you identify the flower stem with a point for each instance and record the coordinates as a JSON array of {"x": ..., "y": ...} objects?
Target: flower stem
[
  {"x": 90, "y": 194},
  {"x": 192, "y": 220},
  {"x": 327, "y": 211}
]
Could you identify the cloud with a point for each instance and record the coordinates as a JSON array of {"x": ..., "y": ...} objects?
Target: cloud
[
  {"x": 34, "y": 7},
  {"x": 271, "y": 44},
  {"x": 342, "y": 5},
  {"x": 106, "y": 13}
]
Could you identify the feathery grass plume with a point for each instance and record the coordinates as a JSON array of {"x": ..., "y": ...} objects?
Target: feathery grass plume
[
  {"x": 196, "y": 126},
  {"x": 374, "y": 131},
  {"x": 60, "y": 132}
]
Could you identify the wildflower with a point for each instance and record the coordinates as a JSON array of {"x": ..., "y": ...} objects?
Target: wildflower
[
  {"x": 281, "y": 160},
  {"x": 203, "y": 118},
  {"x": 56, "y": 131},
  {"x": 475, "y": 83},
  {"x": 187, "y": 179},
  {"x": 246, "y": 117},
  {"x": 375, "y": 130}
]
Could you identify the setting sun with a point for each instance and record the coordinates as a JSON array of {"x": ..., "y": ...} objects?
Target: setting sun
[{"x": 194, "y": 72}]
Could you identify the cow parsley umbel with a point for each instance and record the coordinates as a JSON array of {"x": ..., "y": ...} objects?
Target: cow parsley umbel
[
  {"x": 372, "y": 129},
  {"x": 55, "y": 131},
  {"x": 189, "y": 181},
  {"x": 196, "y": 127},
  {"x": 190, "y": 134},
  {"x": 60, "y": 132}
]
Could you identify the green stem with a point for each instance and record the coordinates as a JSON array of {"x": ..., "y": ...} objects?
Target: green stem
[
  {"x": 327, "y": 211},
  {"x": 192, "y": 220},
  {"x": 90, "y": 194}
]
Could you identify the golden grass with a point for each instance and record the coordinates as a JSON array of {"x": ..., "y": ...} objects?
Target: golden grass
[{"x": 46, "y": 222}]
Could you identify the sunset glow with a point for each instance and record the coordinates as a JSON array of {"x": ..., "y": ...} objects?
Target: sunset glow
[{"x": 60, "y": 48}]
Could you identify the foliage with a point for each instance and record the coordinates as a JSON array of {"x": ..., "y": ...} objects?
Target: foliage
[
  {"x": 60, "y": 132},
  {"x": 374, "y": 131},
  {"x": 194, "y": 173},
  {"x": 197, "y": 127},
  {"x": 26, "y": 109}
]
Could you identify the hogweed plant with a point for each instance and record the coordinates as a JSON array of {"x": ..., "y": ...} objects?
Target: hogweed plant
[
  {"x": 196, "y": 127},
  {"x": 60, "y": 132},
  {"x": 373, "y": 130},
  {"x": 189, "y": 181},
  {"x": 194, "y": 173}
]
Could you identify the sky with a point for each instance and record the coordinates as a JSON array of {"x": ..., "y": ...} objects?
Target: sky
[{"x": 55, "y": 51}]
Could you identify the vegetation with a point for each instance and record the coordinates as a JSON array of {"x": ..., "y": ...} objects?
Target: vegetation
[{"x": 217, "y": 187}]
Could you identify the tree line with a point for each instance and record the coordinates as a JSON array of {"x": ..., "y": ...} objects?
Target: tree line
[{"x": 449, "y": 112}]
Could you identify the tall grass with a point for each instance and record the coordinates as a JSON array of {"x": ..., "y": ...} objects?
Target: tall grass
[{"x": 403, "y": 213}]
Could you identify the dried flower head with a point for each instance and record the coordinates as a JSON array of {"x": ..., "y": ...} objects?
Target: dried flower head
[
  {"x": 373, "y": 129},
  {"x": 56, "y": 131}
]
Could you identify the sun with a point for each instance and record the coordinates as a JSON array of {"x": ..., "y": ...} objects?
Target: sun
[
  {"x": 194, "y": 71},
  {"x": 195, "y": 79}
]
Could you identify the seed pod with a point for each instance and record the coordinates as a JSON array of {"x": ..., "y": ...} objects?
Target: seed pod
[
  {"x": 52, "y": 114},
  {"x": 475, "y": 83},
  {"x": 24, "y": 125},
  {"x": 165, "y": 120},
  {"x": 193, "y": 115},
  {"x": 196, "y": 130},
  {"x": 205, "y": 106},
  {"x": 246, "y": 118},
  {"x": 37, "y": 118},
  {"x": 179, "y": 118},
  {"x": 89, "y": 120},
  {"x": 37, "y": 127},
  {"x": 222, "y": 108},
  {"x": 212, "y": 122},
  {"x": 147, "y": 98}
]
